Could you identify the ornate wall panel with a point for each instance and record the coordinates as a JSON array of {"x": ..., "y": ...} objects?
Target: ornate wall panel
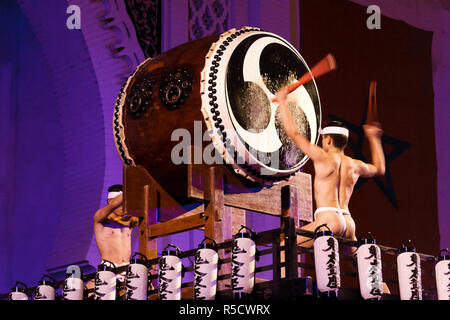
[{"x": 207, "y": 17}]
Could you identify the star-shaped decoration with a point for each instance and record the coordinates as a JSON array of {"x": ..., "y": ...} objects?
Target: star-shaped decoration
[{"x": 397, "y": 147}]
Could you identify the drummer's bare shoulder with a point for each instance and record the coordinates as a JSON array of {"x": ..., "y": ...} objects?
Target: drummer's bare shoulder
[{"x": 314, "y": 152}]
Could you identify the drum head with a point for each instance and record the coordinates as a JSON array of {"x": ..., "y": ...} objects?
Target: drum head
[{"x": 242, "y": 73}]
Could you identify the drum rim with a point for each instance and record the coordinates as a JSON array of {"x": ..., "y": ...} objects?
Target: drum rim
[
  {"x": 245, "y": 169},
  {"x": 118, "y": 127}
]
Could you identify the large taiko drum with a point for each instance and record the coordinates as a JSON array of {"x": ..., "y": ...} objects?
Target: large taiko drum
[{"x": 216, "y": 91}]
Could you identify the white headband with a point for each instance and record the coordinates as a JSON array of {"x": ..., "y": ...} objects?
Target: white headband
[
  {"x": 114, "y": 194},
  {"x": 334, "y": 130}
]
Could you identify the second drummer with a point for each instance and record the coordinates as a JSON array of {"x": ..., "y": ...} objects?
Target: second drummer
[
  {"x": 335, "y": 173},
  {"x": 113, "y": 231}
]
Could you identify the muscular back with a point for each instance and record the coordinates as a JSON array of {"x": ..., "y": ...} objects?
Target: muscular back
[
  {"x": 327, "y": 180},
  {"x": 336, "y": 174},
  {"x": 349, "y": 175},
  {"x": 335, "y": 179}
]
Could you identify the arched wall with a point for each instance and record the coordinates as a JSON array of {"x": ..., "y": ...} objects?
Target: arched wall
[
  {"x": 60, "y": 159},
  {"x": 31, "y": 169}
]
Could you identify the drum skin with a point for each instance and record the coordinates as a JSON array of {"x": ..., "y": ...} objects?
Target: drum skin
[{"x": 205, "y": 83}]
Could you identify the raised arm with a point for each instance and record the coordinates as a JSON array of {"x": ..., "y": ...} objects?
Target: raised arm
[
  {"x": 374, "y": 133},
  {"x": 102, "y": 214},
  {"x": 313, "y": 151}
]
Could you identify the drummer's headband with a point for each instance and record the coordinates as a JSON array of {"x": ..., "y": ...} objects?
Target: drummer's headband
[
  {"x": 114, "y": 194},
  {"x": 334, "y": 130}
]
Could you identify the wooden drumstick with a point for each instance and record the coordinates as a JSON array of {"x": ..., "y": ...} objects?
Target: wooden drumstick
[
  {"x": 372, "y": 110},
  {"x": 324, "y": 66}
]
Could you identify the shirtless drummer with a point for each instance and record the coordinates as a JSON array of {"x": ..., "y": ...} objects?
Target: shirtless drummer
[
  {"x": 113, "y": 231},
  {"x": 335, "y": 173}
]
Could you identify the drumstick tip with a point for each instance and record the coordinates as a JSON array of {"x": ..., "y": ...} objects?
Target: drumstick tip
[{"x": 331, "y": 61}]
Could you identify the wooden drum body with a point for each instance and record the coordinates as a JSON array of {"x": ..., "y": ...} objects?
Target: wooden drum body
[{"x": 222, "y": 84}]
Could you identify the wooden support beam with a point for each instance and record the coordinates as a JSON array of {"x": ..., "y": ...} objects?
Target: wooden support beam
[
  {"x": 152, "y": 212},
  {"x": 265, "y": 200},
  {"x": 290, "y": 204},
  {"x": 147, "y": 246},
  {"x": 134, "y": 180},
  {"x": 249, "y": 196},
  {"x": 214, "y": 209},
  {"x": 225, "y": 198},
  {"x": 276, "y": 257},
  {"x": 143, "y": 225},
  {"x": 290, "y": 244},
  {"x": 222, "y": 221},
  {"x": 176, "y": 225},
  {"x": 238, "y": 219},
  {"x": 290, "y": 211}
]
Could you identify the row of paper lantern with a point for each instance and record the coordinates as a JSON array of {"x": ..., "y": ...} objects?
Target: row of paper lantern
[
  {"x": 170, "y": 272},
  {"x": 326, "y": 260},
  {"x": 243, "y": 258}
]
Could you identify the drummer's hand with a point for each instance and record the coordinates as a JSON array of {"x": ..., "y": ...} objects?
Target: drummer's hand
[
  {"x": 373, "y": 130},
  {"x": 281, "y": 95}
]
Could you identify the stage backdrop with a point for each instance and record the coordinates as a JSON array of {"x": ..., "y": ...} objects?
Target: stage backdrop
[{"x": 403, "y": 204}]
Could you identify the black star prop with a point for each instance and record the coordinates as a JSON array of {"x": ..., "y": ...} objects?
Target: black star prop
[{"x": 398, "y": 147}]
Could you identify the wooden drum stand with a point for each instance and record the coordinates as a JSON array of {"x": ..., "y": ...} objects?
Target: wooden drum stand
[{"x": 223, "y": 199}]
